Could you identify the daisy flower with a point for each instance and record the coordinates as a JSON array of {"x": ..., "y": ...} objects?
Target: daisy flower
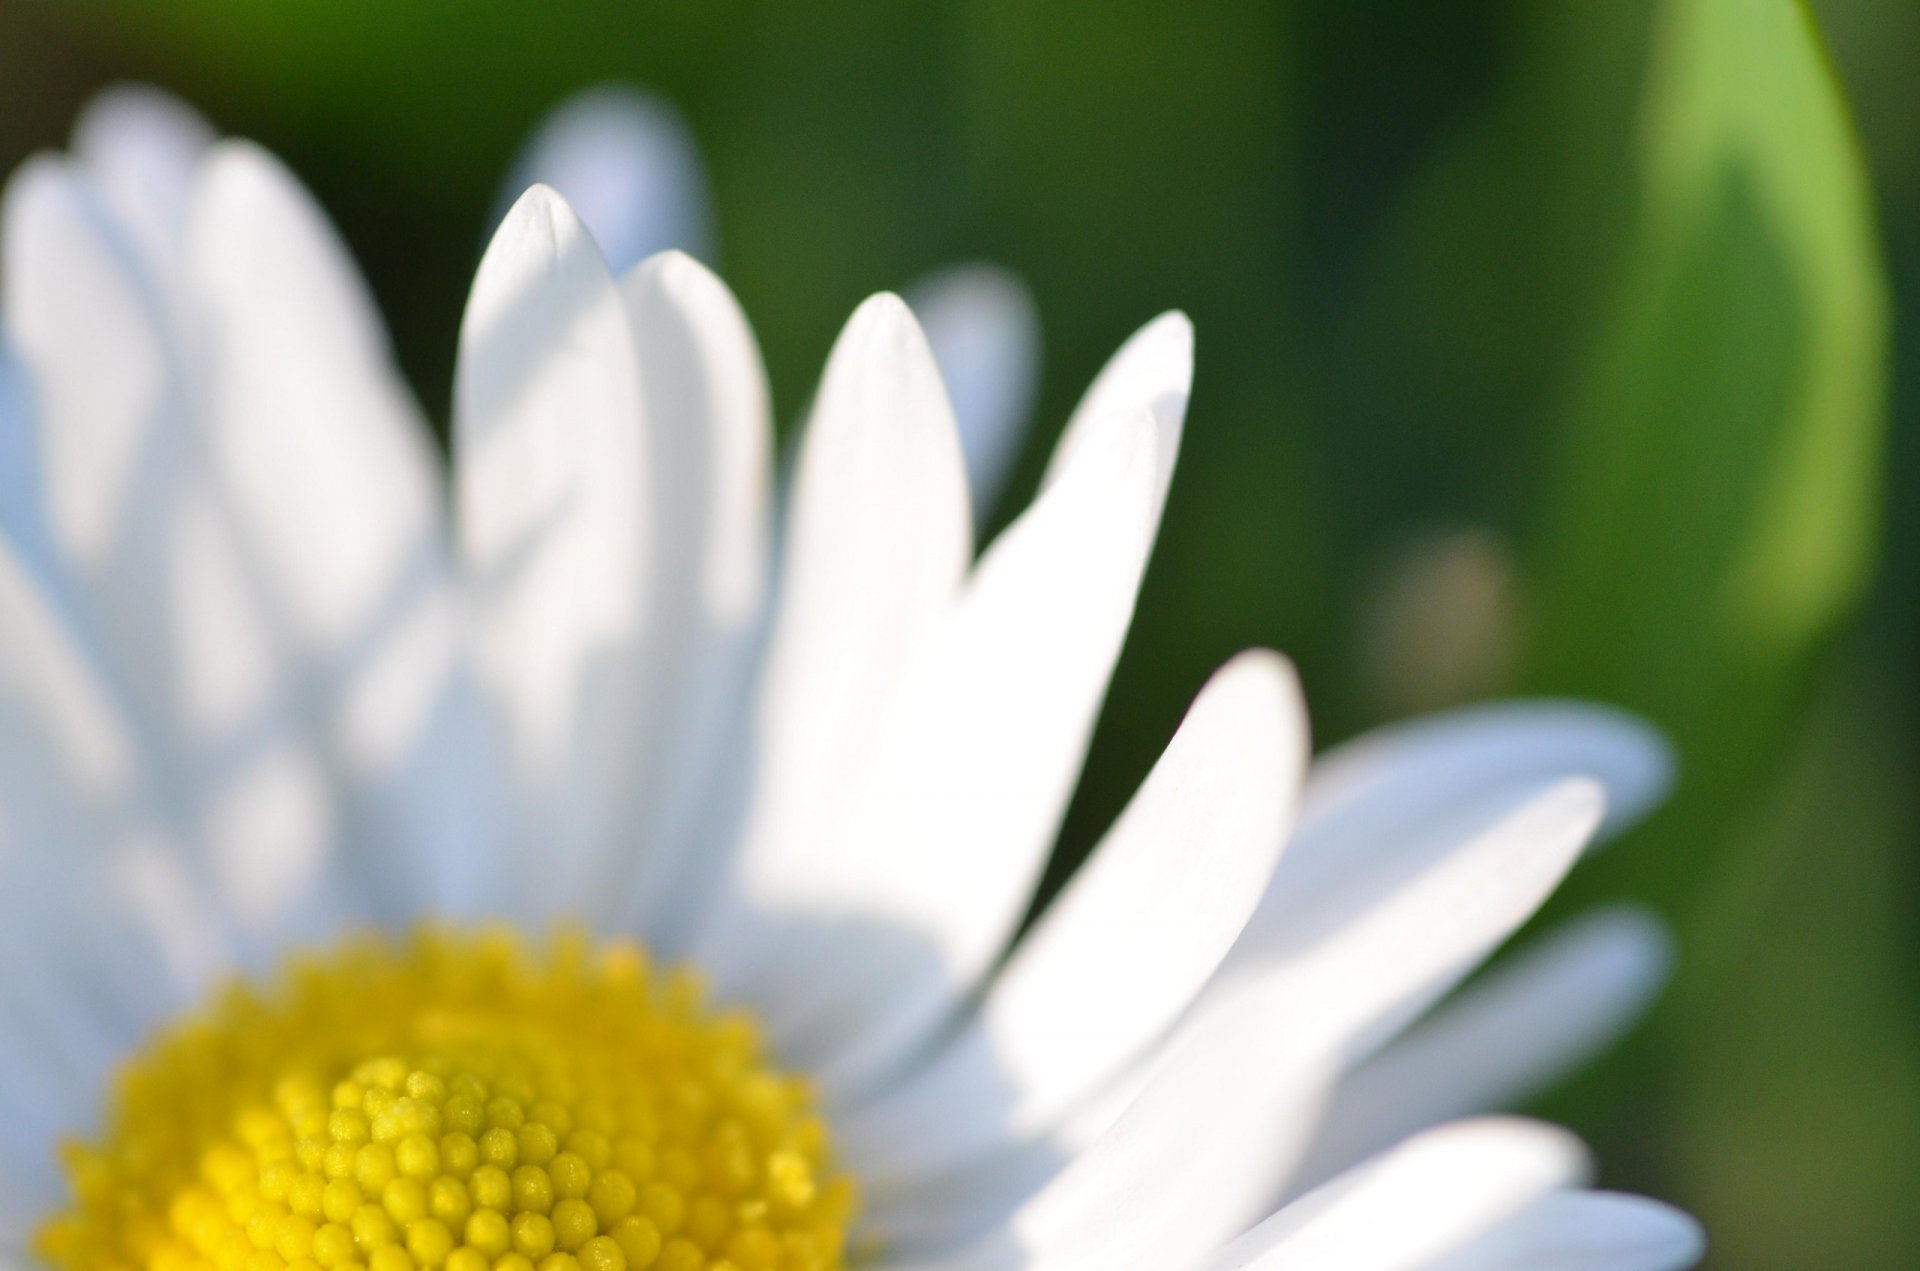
[{"x": 574, "y": 870}]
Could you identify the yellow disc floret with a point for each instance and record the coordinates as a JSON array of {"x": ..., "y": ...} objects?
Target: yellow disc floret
[{"x": 457, "y": 1102}]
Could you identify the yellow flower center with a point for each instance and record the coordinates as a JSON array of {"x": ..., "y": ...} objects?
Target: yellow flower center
[{"x": 457, "y": 1102}]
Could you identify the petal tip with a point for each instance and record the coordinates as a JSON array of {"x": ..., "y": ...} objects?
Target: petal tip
[
  {"x": 886, "y": 325},
  {"x": 673, "y": 270},
  {"x": 884, "y": 311},
  {"x": 238, "y": 170},
  {"x": 540, "y": 224},
  {"x": 1172, "y": 332},
  {"x": 1581, "y": 800},
  {"x": 1268, "y": 665},
  {"x": 134, "y": 108},
  {"x": 1638, "y": 941}
]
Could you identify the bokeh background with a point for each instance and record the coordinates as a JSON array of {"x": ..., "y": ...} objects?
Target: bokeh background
[{"x": 1543, "y": 347}]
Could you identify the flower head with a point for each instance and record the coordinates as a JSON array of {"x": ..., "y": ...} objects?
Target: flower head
[{"x": 269, "y": 687}]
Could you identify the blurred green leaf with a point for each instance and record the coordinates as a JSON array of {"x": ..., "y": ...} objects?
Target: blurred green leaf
[
  {"x": 1795, "y": 1121},
  {"x": 1488, "y": 270},
  {"x": 1719, "y": 504}
]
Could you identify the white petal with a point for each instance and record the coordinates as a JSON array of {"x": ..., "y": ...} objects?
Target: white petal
[
  {"x": 1319, "y": 994},
  {"x": 1371, "y": 807},
  {"x": 1236, "y": 1091},
  {"x": 104, "y": 381},
  {"x": 551, "y": 476},
  {"x": 140, "y": 144},
  {"x": 69, "y": 766},
  {"x": 312, "y": 429},
  {"x": 140, "y": 147},
  {"x": 158, "y": 581},
  {"x": 1153, "y": 370},
  {"x": 626, "y": 163},
  {"x": 337, "y": 493},
  {"x": 710, "y": 439},
  {"x": 877, "y": 542},
  {"x": 1503, "y": 1039},
  {"x": 40, "y": 1106},
  {"x": 1416, "y": 1204},
  {"x": 22, "y": 504},
  {"x": 90, "y": 953},
  {"x": 1123, "y": 950},
  {"x": 1395, "y": 775},
  {"x": 985, "y": 332},
  {"x": 1348, "y": 967},
  {"x": 948, "y": 828},
  {"x": 25, "y": 1197},
  {"x": 1585, "y": 1231},
  {"x": 1386, "y": 939}
]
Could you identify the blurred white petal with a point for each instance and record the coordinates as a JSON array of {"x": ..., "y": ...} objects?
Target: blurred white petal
[
  {"x": 96, "y": 948},
  {"x": 1501, "y": 1040},
  {"x": 333, "y": 487},
  {"x": 985, "y": 332},
  {"x": 1585, "y": 1231},
  {"x": 626, "y": 163},
  {"x": 22, "y": 505},
  {"x": 159, "y": 581},
  {"x": 1398, "y": 777},
  {"x": 1415, "y": 1204},
  {"x": 312, "y": 429},
  {"x": 141, "y": 147}
]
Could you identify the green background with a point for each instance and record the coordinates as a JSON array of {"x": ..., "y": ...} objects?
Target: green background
[{"x": 1542, "y": 347}]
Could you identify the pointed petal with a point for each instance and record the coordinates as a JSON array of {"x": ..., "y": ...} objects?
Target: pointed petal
[
  {"x": 551, "y": 471},
  {"x": 1124, "y": 949},
  {"x": 1416, "y": 1204},
  {"x": 628, "y": 166},
  {"x": 1586, "y": 1231},
  {"x": 1339, "y": 973},
  {"x": 976, "y": 765},
  {"x": 1298, "y": 1015},
  {"x": 1153, "y": 370},
  {"x": 1503, "y": 1039},
  {"x": 949, "y": 825},
  {"x": 985, "y": 332},
  {"x": 877, "y": 542},
  {"x": 710, "y": 438}
]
